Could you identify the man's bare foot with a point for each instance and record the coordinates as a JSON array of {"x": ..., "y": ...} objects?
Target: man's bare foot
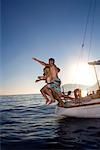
[
  {"x": 61, "y": 104},
  {"x": 47, "y": 101},
  {"x": 50, "y": 102},
  {"x": 53, "y": 100}
]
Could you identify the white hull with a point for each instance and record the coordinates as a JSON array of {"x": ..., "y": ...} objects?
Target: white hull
[{"x": 87, "y": 110}]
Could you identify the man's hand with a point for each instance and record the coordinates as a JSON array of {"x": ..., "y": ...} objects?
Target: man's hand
[
  {"x": 37, "y": 80},
  {"x": 34, "y": 58}
]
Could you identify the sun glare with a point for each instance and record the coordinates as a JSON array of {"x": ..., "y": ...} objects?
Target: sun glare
[
  {"x": 84, "y": 93},
  {"x": 84, "y": 74}
]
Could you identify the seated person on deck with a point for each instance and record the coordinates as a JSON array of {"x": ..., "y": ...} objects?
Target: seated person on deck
[{"x": 95, "y": 95}]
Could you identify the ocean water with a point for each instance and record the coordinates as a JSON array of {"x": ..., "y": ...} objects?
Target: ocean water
[{"x": 26, "y": 123}]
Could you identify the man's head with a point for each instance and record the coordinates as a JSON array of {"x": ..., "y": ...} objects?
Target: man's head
[{"x": 51, "y": 61}]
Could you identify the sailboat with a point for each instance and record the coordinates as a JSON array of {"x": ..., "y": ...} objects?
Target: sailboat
[{"x": 87, "y": 107}]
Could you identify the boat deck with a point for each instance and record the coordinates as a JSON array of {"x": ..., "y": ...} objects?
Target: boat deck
[{"x": 81, "y": 104}]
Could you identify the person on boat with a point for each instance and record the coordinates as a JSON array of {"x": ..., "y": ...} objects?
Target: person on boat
[
  {"x": 53, "y": 85},
  {"x": 46, "y": 75},
  {"x": 95, "y": 95},
  {"x": 68, "y": 96},
  {"x": 77, "y": 93},
  {"x": 45, "y": 90},
  {"x": 98, "y": 93}
]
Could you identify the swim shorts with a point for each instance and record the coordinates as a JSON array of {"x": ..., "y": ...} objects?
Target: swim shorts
[{"x": 55, "y": 84}]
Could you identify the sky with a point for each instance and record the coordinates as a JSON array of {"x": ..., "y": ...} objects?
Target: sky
[{"x": 44, "y": 29}]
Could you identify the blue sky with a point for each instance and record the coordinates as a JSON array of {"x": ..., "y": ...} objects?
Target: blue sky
[{"x": 43, "y": 29}]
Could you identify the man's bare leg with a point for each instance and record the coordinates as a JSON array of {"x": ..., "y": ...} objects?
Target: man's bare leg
[
  {"x": 44, "y": 95},
  {"x": 53, "y": 94},
  {"x": 57, "y": 96},
  {"x": 46, "y": 91}
]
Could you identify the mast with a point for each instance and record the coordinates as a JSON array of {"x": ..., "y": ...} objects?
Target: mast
[
  {"x": 93, "y": 64},
  {"x": 96, "y": 77}
]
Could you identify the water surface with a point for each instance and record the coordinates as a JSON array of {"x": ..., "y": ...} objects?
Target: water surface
[{"x": 28, "y": 124}]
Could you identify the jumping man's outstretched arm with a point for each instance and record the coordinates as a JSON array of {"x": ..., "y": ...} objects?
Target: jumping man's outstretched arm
[
  {"x": 39, "y": 61},
  {"x": 40, "y": 78}
]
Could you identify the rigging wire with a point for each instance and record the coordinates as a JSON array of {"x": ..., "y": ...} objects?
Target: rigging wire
[
  {"x": 83, "y": 40},
  {"x": 85, "y": 30},
  {"x": 92, "y": 29},
  {"x": 91, "y": 37},
  {"x": 87, "y": 22},
  {"x": 91, "y": 12}
]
